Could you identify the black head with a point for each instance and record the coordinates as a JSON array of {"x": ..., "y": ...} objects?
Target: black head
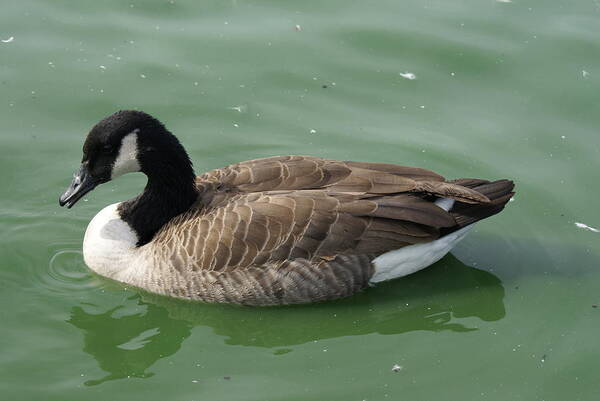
[{"x": 124, "y": 142}]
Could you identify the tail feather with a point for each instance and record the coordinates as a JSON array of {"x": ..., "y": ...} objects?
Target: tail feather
[{"x": 498, "y": 192}]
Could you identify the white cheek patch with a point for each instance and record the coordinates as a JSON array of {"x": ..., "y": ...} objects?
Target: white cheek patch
[{"x": 126, "y": 161}]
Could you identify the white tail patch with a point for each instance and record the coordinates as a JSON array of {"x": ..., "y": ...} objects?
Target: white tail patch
[
  {"x": 413, "y": 258},
  {"x": 445, "y": 203}
]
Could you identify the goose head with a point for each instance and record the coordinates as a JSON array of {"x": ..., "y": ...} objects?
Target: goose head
[{"x": 125, "y": 142}]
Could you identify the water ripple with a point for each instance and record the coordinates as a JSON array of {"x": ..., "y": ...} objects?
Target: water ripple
[{"x": 66, "y": 272}]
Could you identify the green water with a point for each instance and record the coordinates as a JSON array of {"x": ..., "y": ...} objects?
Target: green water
[{"x": 502, "y": 90}]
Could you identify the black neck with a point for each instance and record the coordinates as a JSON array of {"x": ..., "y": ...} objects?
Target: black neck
[{"x": 170, "y": 191}]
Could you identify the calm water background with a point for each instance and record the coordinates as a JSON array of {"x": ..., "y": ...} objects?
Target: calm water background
[{"x": 501, "y": 90}]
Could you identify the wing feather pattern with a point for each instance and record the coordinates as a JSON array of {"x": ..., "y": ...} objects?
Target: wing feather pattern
[{"x": 292, "y": 229}]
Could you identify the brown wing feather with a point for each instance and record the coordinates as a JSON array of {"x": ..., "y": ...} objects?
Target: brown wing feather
[
  {"x": 282, "y": 227},
  {"x": 285, "y": 207},
  {"x": 270, "y": 227},
  {"x": 307, "y": 172}
]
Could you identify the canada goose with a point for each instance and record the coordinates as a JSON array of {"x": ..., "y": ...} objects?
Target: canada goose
[{"x": 279, "y": 230}]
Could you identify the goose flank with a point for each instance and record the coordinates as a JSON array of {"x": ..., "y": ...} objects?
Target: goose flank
[{"x": 279, "y": 230}]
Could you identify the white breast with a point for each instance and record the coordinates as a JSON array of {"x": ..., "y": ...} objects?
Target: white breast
[{"x": 109, "y": 246}]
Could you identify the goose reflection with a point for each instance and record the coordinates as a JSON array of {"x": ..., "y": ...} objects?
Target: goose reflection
[{"x": 127, "y": 340}]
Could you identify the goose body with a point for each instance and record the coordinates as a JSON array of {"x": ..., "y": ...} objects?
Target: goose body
[{"x": 279, "y": 230}]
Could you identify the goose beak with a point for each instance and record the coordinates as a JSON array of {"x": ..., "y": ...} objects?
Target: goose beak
[{"x": 82, "y": 183}]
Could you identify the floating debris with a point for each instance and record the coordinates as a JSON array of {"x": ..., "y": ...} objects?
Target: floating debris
[
  {"x": 544, "y": 358},
  {"x": 586, "y": 227},
  {"x": 584, "y": 73},
  {"x": 298, "y": 28},
  {"x": 504, "y": 1},
  {"x": 142, "y": 76},
  {"x": 102, "y": 67},
  {"x": 227, "y": 377},
  {"x": 396, "y": 368},
  {"x": 408, "y": 75},
  {"x": 313, "y": 131},
  {"x": 8, "y": 40},
  {"x": 239, "y": 109}
]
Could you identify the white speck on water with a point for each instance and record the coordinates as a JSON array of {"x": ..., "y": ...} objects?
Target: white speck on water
[
  {"x": 512, "y": 199},
  {"x": 422, "y": 107},
  {"x": 239, "y": 109},
  {"x": 298, "y": 28},
  {"x": 194, "y": 381},
  {"x": 102, "y": 67},
  {"x": 313, "y": 131},
  {"x": 408, "y": 75},
  {"x": 142, "y": 76},
  {"x": 586, "y": 227},
  {"x": 585, "y": 74},
  {"x": 396, "y": 368},
  {"x": 8, "y": 40},
  {"x": 51, "y": 64},
  {"x": 563, "y": 137},
  {"x": 333, "y": 84},
  {"x": 453, "y": 74},
  {"x": 226, "y": 22},
  {"x": 235, "y": 125},
  {"x": 504, "y": 1},
  {"x": 195, "y": 83}
]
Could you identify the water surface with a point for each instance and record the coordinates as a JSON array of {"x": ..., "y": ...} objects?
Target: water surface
[{"x": 501, "y": 90}]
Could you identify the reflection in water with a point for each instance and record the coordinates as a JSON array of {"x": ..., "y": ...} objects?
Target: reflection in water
[
  {"x": 127, "y": 342},
  {"x": 125, "y": 345}
]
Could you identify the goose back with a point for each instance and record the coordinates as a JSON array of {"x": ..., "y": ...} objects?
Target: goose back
[{"x": 299, "y": 229}]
